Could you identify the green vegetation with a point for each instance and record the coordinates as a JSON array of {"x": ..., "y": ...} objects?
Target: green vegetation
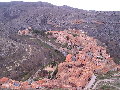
[
  {"x": 38, "y": 32},
  {"x": 65, "y": 45},
  {"x": 75, "y": 35},
  {"x": 104, "y": 76},
  {"x": 49, "y": 52},
  {"x": 49, "y": 33},
  {"x": 26, "y": 76},
  {"x": 53, "y": 63},
  {"x": 69, "y": 47},
  {"x": 117, "y": 84},
  {"x": 107, "y": 75},
  {"x": 54, "y": 38},
  {"x": 59, "y": 89},
  {"x": 38, "y": 78},
  {"x": 43, "y": 44},
  {"x": 53, "y": 52},
  {"x": 106, "y": 87},
  {"x": 117, "y": 60}
]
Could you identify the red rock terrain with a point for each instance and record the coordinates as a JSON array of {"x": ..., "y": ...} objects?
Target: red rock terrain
[{"x": 85, "y": 58}]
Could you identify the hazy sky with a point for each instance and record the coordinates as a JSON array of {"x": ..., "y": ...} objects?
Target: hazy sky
[{"x": 103, "y": 5}]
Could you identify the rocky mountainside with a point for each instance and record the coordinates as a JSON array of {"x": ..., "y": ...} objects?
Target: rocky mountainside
[
  {"x": 104, "y": 26},
  {"x": 36, "y": 37},
  {"x": 20, "y": 58}
]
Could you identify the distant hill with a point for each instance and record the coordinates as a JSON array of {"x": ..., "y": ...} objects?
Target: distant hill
[{"x": 104, "y": 26}]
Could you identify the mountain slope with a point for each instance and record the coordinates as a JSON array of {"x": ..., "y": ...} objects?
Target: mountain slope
[
  {"x": 20, "y": 59},
  {"x": 104, "y": 26}
]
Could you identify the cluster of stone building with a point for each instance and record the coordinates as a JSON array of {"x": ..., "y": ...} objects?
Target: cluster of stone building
[
  {"x": 89, "y": 58},
  {"x": 26, "y": 31}
]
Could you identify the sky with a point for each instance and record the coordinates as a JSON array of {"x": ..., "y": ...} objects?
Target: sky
[{"x": 98, "y": 5}]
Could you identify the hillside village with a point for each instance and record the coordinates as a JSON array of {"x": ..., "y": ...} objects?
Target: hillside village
[
  {"x": 48, "y": 47},
  {"x": 86, "y": 59}
]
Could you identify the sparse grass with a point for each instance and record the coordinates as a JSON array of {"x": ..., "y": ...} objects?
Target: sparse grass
[
  {"x": 51, "y": 54},
  {"x": 75, "y": 35},
  {"x": 53, "y": 63},
  {"x": 39, "y": 32},
  {"x": 59, "y": 89},
  {"x": 38, "y": 78},
  {"x": 69, "y": 47},
  {"x": 106, "y": 87},
  {"x": 107, "y": 75},
  {"x": 42, "y": 44},
  {"x": 117, "y": 60},
  {"x": 49, "y": 33},
  {"x": 26, "y": 76},
  {"x": 64, "y": 45},
  {"x": 117, "y": 84}
]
